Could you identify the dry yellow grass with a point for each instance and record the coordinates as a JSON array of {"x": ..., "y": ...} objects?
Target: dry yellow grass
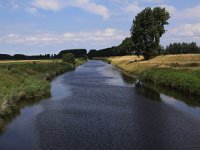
[{"x": 136, "y": 65}]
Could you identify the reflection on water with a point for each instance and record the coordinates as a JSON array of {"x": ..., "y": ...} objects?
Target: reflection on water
[
  {"x": 190, "y": 100},
  {"x": 185, "y": 103},
  {"x": 128, "y": 79},
  {"x": 147, "y": 92},
  {"x": 116, "y": 77},
  {"x": 180, "y": 105},
  {"x": 59, "y": 90},
  {"x": 119, "y": 78},
  {"x": 19, "y": 109}
]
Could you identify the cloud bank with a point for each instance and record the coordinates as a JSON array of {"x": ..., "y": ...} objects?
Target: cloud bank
[
  {"x": 109, "y": 34},
  {"x": 86, "y": 5}
]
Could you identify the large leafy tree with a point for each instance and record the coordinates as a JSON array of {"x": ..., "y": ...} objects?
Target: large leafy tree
[{"x": 147, "y": 29}]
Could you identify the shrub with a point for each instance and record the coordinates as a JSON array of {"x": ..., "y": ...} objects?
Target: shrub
[{"x": 68, "y": 58}]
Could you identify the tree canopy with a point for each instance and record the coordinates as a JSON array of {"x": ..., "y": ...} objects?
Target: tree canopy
[
  {"x": 76, "y": 52},
  {"x": 27, "y": 57},
  {"x": 125, "y": 48},
  {"x": 68, "y": 58},
  {"x": 182, "y": 48},
  {"x": 147, "y": 29}
]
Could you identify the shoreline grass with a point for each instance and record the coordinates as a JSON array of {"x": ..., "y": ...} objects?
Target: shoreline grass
[
  {"x": 183, "y": 80},
  {"x": 178, "y": 72},
  {"x": 27, "y": 81}
]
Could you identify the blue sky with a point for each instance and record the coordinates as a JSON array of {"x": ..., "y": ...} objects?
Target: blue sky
[{"x": 48, "y": 26}]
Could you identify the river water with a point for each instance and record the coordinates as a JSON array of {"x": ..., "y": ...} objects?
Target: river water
[{"x": 96, "y": 107}]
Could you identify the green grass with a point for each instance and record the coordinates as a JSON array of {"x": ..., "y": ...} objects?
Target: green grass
[
  {"x": 24, "y": 82},
  {"x": 179, "y": 72},
  {"x": 184, "y": 80},
  {"x": 79, "y": 61},
  {"x": 28, "y": 80}
]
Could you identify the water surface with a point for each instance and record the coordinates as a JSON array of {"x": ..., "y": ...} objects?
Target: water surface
[{"x": 98, "y": 107}]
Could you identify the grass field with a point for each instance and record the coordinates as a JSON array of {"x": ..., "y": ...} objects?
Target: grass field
[
  {"x": 180, "y": 72},
  {"x": 26, "y": 80},
  {"x": 136, "y": 65},
  {"x": 28, "y": 61},
  {"x": 21, "y": 61}
]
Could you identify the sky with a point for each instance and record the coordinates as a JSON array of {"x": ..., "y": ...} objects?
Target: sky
[{"x": 49, "y": 26}]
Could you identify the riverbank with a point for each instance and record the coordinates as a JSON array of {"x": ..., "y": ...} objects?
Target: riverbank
[
  {"x": 179, "y": 72},
  {"x": 27, "y": 81}
]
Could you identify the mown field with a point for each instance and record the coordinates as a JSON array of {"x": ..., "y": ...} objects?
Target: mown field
[
  {"x": 27, "y": 80},
  {"x": 180, "y": 72}
]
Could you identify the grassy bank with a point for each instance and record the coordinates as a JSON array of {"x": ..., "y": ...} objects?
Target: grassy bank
[
  {"x": 135, "y": 65},
  {"x": 184, "y": 80},
  {"x": 26, "y": 81},
  {"x": 179, "y": 72}
]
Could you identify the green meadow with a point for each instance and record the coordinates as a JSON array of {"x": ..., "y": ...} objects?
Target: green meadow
[{"x": 26, "y": 80}]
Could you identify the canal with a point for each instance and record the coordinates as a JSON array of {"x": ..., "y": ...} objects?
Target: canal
[{"x": 96, "y": 107}]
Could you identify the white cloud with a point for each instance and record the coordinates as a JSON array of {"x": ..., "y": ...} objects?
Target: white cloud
[
  {"x": 133, "y": 8},
  {"x": 169, "y": 8},
  {"x": 183, "y": 33},
  {"x": 106, "y": 35},
  {"x": 154, "y": 1},
  {"x": 185, "y": 30},
  {"x": 184, "y": 14},
  {"x": 92, "y": 7},
  {"x": 189, "y": 13},
  {"x": 14, "y": 5},
  {"x": 136, "y": 8},
  {"x": 48, "y": 4},
  {"x": 86, "y": 5},
  {"x": 31, "y": 10}
]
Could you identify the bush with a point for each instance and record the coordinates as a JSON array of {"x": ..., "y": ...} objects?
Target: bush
[{"x": 68, "y": 58}]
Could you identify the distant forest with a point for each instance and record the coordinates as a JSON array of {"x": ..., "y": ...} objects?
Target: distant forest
[
  {"x": 125, "y": 48},
  {"x": 25, "y": 57},
  {"x": 76, "y": 52},
  {"x": 182, "y": 48}
]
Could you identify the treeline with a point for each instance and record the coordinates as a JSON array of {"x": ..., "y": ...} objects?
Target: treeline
[
  {"x": 125, "y": 48},
  {"x": 182, "y": 48},
  {"x": 26, "y": 57},
  {"x": 76, "y": 52}
]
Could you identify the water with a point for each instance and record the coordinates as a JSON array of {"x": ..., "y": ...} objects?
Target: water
[{"x": 98, "y": 107}]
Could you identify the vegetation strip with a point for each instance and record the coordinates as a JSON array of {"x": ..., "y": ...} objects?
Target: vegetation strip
[
  {"x": 186, "y": 81},
  {"x": 27, "y": 81},
  {"x": 178, "y": 72}
]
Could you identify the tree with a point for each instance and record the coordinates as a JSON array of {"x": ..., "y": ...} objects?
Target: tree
[
  {"x": 76, "y": 52},
  {"x": 147, "y": 29},
  {"x": 68, "y": 58},
  {"x": 92, "y": 53},
  {"x": 126, "y": 47}
]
